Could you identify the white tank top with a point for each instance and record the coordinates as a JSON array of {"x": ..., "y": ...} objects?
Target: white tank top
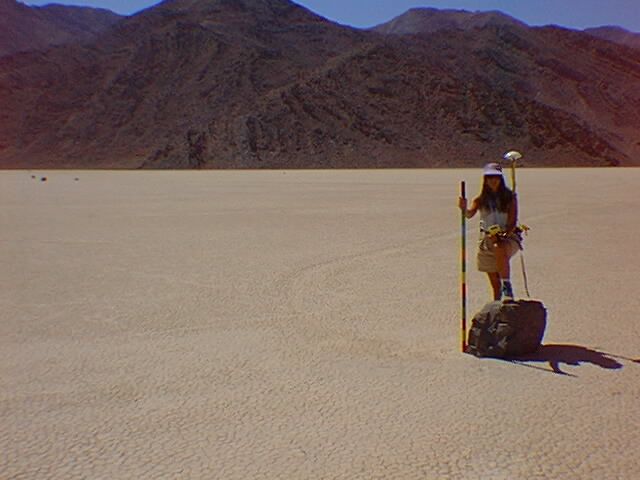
[{"x": 493, "y": 217}]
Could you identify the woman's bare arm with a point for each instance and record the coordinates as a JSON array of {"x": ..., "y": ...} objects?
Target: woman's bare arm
[{"x": 469, "y": 213}]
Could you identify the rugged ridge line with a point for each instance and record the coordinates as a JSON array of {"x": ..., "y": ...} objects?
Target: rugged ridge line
[{"x": 269, "y": 84}]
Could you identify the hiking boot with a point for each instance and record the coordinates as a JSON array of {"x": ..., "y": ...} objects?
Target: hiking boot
[{"x": 507, "y": 291}]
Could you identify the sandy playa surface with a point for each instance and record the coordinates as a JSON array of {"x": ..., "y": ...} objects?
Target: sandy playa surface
[{"x": 305, "y": 325}]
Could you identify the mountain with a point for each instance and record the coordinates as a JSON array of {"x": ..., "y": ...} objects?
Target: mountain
[
  {"x": 269, "y": 84},
  {"x": 37, "y": 28},
  {"x": 459, "y": 98},
  {"x": 616, "y": 35},
  {"x": 166, "y": 87},
  {"x": 429, "y": 20}
]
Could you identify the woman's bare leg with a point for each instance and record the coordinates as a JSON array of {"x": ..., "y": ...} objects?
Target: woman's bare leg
[
  {"x": 494, "y": 279},
  {"x": 502, "y": 261}
]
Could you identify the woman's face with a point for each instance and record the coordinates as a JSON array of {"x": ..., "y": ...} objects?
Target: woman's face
[{"x": 493, "y": 182}]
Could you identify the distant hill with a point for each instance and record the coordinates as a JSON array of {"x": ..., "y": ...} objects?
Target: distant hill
[
  {"x": 36, "y": 28},
  {"x": 617, "y": 35},
  {"x": 269, "y": 84},
  {"x": 429, "y": 20}
]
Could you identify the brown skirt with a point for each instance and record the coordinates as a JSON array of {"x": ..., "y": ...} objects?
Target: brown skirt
[{"x": 486, "y": 254}]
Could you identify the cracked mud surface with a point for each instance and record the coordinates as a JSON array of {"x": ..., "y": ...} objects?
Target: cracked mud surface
[{"x": 305, "y": 325}]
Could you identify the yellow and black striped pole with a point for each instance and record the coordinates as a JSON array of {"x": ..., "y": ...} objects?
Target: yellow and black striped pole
[{"x": 463, "y": 291}]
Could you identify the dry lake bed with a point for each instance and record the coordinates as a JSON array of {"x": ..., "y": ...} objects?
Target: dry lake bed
[{"x": 305, "y": 325}]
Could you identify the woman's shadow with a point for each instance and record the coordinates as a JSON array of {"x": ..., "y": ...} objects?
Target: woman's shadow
[{"x": 574, "y": 355}]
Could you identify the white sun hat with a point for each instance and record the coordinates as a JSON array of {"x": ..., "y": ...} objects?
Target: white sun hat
[{"x": 492, "y": 169}]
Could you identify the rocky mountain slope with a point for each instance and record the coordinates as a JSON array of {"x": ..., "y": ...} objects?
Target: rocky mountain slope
[
  {"x": 429, "y": 20},
  {"x": 37, "y": 28},
  {"x": 616, "y": 35},
  {"x": 269, "y": 84}
]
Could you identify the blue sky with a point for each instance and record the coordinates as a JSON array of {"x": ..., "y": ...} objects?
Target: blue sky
[{"x": 366, "y": 13}]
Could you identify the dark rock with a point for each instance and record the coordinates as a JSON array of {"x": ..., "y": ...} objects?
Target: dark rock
[{"x": 507, "y": 329}]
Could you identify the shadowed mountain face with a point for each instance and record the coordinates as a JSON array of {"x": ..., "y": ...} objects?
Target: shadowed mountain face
[
  {"x": 37, "y": 28},
  {"x": 617, "y": 35},
  {"x": 268, "y": 84},
  {"x": 429, "y": 20}
]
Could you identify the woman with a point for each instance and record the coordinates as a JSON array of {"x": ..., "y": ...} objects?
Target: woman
[{"x": 499, "y": 233}]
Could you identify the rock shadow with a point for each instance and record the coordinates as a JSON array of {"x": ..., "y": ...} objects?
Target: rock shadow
[{"x": 574, "y": 355}]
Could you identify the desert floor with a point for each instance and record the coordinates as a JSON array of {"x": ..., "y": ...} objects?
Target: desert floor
[{"x": 305, "y": 325}]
